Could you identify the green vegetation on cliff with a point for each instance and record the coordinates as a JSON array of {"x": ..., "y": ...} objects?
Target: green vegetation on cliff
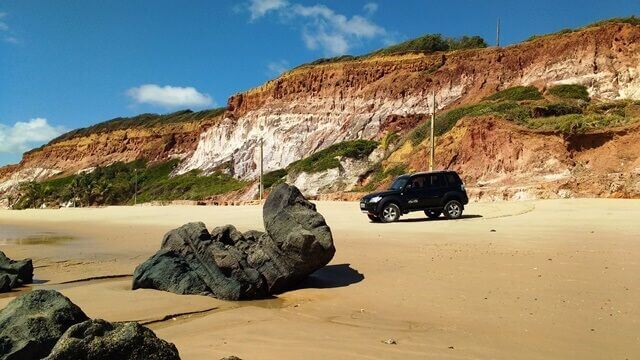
[
  {"x": 517, "y": 93},
  {"x": 329, "y": 157},
  {"x": 116, "y": 185},
  {"x": 569, "y": 91},
  {"x": 568, "y": 110}
]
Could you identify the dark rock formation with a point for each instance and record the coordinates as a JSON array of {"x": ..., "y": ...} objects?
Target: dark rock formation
[
  {"x": 228, "y": 264},
  {"x": 14, "y": 273},
  {"x": 31, "y": 324},
  {"x": 46, "y": 324},
  {"x": 99, "y": 339}
]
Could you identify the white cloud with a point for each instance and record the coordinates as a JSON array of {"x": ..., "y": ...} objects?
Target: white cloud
[
  {"x": 3, "y": 25},
  {"x": 4, "y": 28},
  {"x": 276, "y": 68},
  {"x": 169, "y": 96},
  {"x": 260, "y": 8},
  {"x": 370, "y": 8},
  {"x": 321, "y": 27},
  {"x": 23, "y": 136},
  {"x": 11, "y": 39}
]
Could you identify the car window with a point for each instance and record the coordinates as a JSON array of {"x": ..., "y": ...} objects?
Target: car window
[
  {"x": 435, "y": 180},
  {"x": 453, "y": 179},
  {"x": 398, "y": 184},
  {"x": 418, "y": 182}
]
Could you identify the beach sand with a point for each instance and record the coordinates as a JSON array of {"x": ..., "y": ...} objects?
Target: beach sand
[{"x": 553, "y": 279}]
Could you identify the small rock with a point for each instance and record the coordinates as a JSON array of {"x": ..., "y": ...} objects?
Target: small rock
[
  {"x": 390, "y": 342},
  {"x": 232, "y": 357},
  {"x": 102, "y": 340},
  {"x": 493, "y": 230},
  {"x": 451, "y": 347},
  {"x": 14, "y": 273}
]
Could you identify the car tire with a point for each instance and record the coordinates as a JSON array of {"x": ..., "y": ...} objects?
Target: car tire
[
  {"x": 433, "y": 214},
  {"x": 390, "y": 212},
  {"x": 373, "y": 218},
  {"x": 453, "y": 209}
]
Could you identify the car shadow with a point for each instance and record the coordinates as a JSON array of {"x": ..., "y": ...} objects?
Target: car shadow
[
  {"x": 463, "y": 217},
  {"x": 332, "y": 276}
]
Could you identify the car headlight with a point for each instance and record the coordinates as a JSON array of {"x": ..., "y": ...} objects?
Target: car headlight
[{"x": 375, "y": 199}]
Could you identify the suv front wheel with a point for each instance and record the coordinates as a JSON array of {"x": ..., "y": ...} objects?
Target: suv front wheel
[
  {"x": 389, "y": 213},
  {"x": 453, "y": 209}
]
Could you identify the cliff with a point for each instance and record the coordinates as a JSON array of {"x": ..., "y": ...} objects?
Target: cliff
[
  {"x": 317, "y": 105},
  {"x": 151, "y": 137}
]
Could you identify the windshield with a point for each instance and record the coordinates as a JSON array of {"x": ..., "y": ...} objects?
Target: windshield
[{"x": 399, "y": 183}]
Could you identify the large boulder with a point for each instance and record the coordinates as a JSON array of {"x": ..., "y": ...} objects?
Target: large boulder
[
  {"x": 31, "y": 324},
  {"x": 228, "y": 264},
  {"x": 14, "y": 273},
  {"x": 102, "y": 340}
]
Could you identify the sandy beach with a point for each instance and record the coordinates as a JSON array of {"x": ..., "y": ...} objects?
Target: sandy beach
[{"x": 554, "y": 279}]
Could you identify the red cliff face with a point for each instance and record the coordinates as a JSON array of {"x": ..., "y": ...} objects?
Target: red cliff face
[
  {"x": 500, "y": 160},
  {"x": 152, "y": 143},
  {"x": 314, "y": 106}
]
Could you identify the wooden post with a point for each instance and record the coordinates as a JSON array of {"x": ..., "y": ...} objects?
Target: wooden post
[
  {"x": 498, "y": 33},
  {"x": 433, "y": 120}
]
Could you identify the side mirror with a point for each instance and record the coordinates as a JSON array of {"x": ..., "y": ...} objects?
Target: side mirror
[{"x": 408, "y": 187}]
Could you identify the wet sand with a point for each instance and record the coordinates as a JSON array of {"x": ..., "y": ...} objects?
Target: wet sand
[{"x": 528, "y": 280}]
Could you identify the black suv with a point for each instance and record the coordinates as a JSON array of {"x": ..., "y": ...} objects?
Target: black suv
[{"x": 432, "y": 192}]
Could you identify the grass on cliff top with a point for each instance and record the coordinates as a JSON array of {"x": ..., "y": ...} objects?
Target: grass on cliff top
[
  {"x": 633, "y": 20},
  {"x": 116, "y": 184},
  {"x": 138, "y": 121},
  {"x": 425, "y": 44},
  {"x": 328, "y": 158}
]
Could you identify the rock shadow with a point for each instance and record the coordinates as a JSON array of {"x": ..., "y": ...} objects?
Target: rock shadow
[{"x": 332, "y": 276}]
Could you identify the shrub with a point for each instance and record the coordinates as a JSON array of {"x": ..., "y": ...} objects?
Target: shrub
[
  {"x": 517, "y": 93},
  {"x": 273, "y": 177},
  {"x": 555, "y": 109},
  {"x": 431, "y": 43},
  {"x": 577, "y": 123},
  {"x": 573, "y": 91},
  {"x": 328, "y": 158}
]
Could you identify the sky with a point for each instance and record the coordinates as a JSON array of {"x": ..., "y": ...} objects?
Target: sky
[{"x": 70, "y": 64}]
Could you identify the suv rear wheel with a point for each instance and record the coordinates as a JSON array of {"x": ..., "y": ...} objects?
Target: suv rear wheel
[
  {"x": 390, "y": 212},
  {"x": 453, "y": 209},
  {"x": 433, "y": 214}
]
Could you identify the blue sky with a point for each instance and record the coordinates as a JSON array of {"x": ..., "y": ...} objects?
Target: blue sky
[{"x": 69, "y": 64}]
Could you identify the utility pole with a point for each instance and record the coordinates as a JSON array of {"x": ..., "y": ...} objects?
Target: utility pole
[
  {"x": 433, "y": 120},
  {"x": 498, "y": 33},
  {"x": 135, "y": 193},
  {"x": 261, "y": 165}
]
